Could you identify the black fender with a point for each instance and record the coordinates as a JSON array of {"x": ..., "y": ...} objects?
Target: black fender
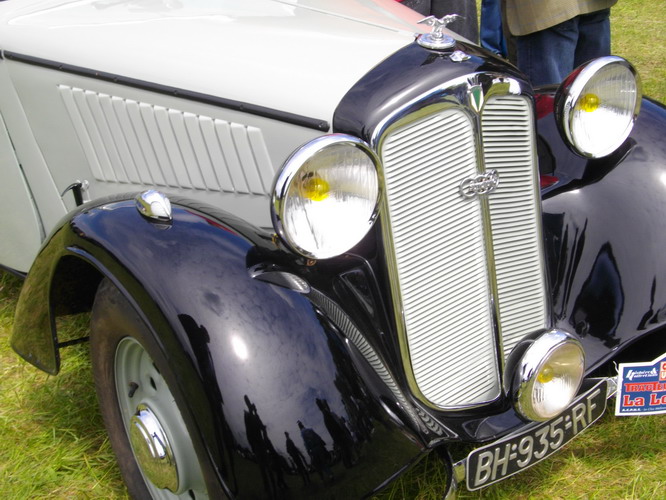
[
  {"x": 604, "y": 238},
  {"x": 253, "y": 346}
]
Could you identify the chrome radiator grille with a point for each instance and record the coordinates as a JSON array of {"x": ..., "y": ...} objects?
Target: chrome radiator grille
[
  {"x": 514, "y": 212},
  {"x": 449, "y": 283}
]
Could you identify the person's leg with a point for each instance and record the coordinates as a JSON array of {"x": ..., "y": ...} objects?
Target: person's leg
[
  {"x": 490, "y": 33},
  {"x": 509, "y": 39},
  {"x": 594, "y": 36},
  {"x": 547, "y": 56}
]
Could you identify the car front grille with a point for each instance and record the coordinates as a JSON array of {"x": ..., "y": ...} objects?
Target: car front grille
[
  {"x": 515, "y": 216},
  {"x": 467, "y": 273}
]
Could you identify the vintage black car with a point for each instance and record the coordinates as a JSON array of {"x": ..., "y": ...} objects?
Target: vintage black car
[{"x": 320, "y": 238}]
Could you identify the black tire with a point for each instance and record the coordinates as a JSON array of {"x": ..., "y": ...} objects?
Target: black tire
[{"x": 128, "y": 368}]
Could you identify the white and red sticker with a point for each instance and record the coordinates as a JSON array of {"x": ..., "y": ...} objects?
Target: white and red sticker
[{"x": 641, "y": 388}]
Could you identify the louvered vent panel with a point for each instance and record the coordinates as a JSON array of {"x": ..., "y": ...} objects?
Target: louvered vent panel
[
  {"x": 439, "y": 250},
  {"x": 127, "y": 141},
  {"x": 514, "y": 214}
]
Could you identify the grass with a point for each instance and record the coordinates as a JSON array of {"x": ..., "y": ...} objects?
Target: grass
[
  {"x": 616, "y": 458},
  {"x": 638, "y": 33},
  {"x": 54, "y": 445},
  {"x": 53, "y": 441}
]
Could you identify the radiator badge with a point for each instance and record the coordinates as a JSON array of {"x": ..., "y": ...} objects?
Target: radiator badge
[{"x": 479, "y": 184}]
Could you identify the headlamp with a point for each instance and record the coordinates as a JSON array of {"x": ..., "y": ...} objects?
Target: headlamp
[
  {"x": 326, "y": 196},
  {"x": 597, "y": 105}
]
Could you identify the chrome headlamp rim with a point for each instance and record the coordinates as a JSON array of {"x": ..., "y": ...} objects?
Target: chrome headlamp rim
[
  {"x": 290, "y": 169},
  {"x": 570, "y": 91},
  {"x": 534, "y": 357}
]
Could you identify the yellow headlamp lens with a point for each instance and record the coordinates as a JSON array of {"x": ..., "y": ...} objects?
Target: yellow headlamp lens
[
  {"x": 589, "y": 102},
  {"x": 546, "y": 374},
  {"x": 315, "y": 188}
]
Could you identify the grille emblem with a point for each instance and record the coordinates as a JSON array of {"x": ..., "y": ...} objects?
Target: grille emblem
[{"x": 479, "y": 184}]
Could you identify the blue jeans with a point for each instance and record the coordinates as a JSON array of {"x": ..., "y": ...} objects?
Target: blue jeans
[
  {"x": 490, "y": 32},
  {"x": 548, "y": 56}
]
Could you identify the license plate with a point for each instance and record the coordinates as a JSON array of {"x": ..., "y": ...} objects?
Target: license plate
[{"x": 512, "y": 454}]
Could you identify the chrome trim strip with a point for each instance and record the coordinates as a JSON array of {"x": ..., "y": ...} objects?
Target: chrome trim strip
[
  {"x": 253, "y": 109},
  {"x": 337, "y": 315}
]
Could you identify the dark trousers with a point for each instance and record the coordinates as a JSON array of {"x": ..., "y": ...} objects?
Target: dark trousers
[{"x": 548, "y": 56}]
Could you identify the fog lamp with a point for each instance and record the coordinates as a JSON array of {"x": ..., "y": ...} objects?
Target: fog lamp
[{"x": 548, "y": 375}]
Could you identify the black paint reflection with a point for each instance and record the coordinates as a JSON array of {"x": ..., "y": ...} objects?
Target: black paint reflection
[
  {"x": 299, "y": 465},
  {"x": 652, "y": 316},
  {"x": 199, "y": 340},
  {"x": 598, "y": 307},
  {"x": 263, "y": 451},
  {"x": 337, "y": 428},
  {"x": 320, "y": 457},
  {"x": 276, "y": 360},
  {"x": 252, "y": 358}
]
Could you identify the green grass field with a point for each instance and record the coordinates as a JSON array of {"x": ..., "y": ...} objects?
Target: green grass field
[
  {"x": 53, "y": 445},
  {"x": 638, "y": 29}
]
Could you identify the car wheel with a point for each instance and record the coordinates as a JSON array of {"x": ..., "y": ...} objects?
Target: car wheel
[{"x": 147, "y": 432}]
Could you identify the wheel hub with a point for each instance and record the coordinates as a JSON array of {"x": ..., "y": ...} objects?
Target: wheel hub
[{"x": 152, "y": 449}]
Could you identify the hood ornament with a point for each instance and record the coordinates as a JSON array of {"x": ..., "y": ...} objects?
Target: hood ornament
[{"x": 436, "y": 39}]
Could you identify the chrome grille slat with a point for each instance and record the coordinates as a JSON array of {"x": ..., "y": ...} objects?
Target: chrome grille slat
[
  {"x": 513, "y": 212},
  {"x": 427, "y": 134},
  {"x": 433, "y": 326},
  {"x": 426, "y": 167},
  {"x": 447, "y": 310},
  {"x": 431, "y": 362},
  {"x": 441, "y": 313},
  {"x": 445, "y": 260},
  {"x": 516, "y": 245},
  {"x": 422, "y": 285},
  {"x": 410, "y": 210},
  {"x": 443, "y": 310}
]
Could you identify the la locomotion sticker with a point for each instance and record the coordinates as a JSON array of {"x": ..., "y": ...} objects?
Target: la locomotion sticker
[{"x": 642, "y": 388}]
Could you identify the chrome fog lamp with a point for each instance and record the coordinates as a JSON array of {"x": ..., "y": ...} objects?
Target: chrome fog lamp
[
  {"x": 326, "y": 196},
  {"x": 548, "y": 375},
  {"x": 597, "y": 105}
]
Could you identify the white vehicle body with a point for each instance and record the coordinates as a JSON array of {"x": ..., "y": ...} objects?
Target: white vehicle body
[{"x": 67, "y": 127}]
